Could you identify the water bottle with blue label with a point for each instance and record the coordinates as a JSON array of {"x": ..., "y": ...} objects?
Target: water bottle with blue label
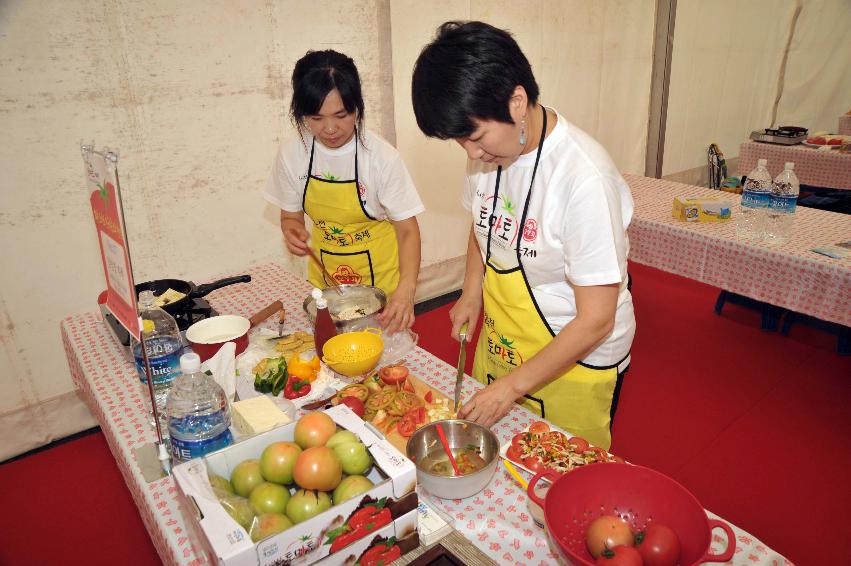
[
  {"x": 756, "y": 199},
  {"x": 164, "y": 348},
  {"x": 784, "y": 201},
  {"x": 198, "y": 412}
]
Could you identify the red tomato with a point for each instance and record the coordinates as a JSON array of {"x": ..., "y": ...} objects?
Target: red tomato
[
  {"x": 659, "y": 545},
  {"x": 514, "y": 453},
  {"x": 579, "y": 444},
  {"x": 620, "y": 555},
  {"x": 393, "y": 375},
  {"x": 428, "y": 396},
  {"x": 600, "y": 454},
  {"x": 318, "y": 468},
  {"x": 518, "y": 438},
  {"x": 314, "y": 429},
  {"x": 539, "y": 427},
  {"x": 406, "y": 427},
  {"x": 553, "y": 437},
  {"x": 354, "y": 404},
  {"x": 607, "y": 531},
  {"x": 533, "y": 464}
]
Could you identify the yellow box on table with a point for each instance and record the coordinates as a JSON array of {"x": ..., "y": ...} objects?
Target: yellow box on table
[
  {"x": 229, "y": 544},
  {"x": 703, "y": 209}
]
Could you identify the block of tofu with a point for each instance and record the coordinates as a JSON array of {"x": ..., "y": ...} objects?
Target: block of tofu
[{"x": 258, "y": 414}]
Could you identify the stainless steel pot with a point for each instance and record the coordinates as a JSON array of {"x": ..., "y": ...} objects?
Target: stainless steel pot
[
  {"x": 370, "y": 301},
  {"x": 424, "y": 448}
]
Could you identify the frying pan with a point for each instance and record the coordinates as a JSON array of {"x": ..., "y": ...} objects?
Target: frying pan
[{"x": 188, "y": 288}]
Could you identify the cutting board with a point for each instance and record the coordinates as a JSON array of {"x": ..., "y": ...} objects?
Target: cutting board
[{"x": 420, "y": 388}]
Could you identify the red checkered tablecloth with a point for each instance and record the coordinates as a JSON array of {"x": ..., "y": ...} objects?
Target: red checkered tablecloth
[
  {"x": 495, "y": 520},
  {"x": 789, "y": 276},
  {"x": 813, "y": 166}
]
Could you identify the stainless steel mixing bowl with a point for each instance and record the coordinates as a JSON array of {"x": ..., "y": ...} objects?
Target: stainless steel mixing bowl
[
  {"x": 424, "y": 448},
  {"x": 367, "y": 299}
]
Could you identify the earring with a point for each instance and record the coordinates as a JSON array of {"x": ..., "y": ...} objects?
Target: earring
[{"x": 523, "y": 131}]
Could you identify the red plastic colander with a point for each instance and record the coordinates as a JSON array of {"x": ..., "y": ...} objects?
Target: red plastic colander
[{"x": 637, "y": 494}]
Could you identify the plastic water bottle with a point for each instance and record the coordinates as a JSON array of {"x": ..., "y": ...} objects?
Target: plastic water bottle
[
  {"x": 164, "y": 347},
  {"x": 784, "y": 200},
  {"x": 198, "y": 412},
  {"x": 324, "y": 328},
  {"x": 756, "y": 199}
]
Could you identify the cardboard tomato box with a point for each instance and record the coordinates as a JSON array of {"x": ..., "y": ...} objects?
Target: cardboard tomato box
[{"x": 309, "y": 541}]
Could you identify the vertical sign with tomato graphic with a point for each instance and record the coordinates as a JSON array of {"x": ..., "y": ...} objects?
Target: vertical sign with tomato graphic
[{"x": 104, "y": 197}]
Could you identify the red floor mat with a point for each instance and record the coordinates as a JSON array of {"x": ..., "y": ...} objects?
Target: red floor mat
[{"x": 69, "y": 505}]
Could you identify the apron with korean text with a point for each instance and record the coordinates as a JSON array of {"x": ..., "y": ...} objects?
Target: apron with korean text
[
  {"x": 514, "y": 329},
  {"x": 354, "y": 247}
]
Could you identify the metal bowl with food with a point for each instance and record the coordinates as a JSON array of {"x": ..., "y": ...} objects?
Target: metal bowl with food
[
  {"x": 476, "y": 451},
  {"x": 354, "y": 308}
]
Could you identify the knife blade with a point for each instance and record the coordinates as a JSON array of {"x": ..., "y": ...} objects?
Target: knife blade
[{"x": 462, "y": 358}]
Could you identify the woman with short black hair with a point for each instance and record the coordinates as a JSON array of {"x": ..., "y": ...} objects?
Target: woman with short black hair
[
  {"x": 352, "y": 184},
  {"x": 546, "y": 257}
]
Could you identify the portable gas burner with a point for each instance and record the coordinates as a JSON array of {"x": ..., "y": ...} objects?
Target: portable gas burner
[
  {"x": 197, "y": 309},
  {"x": 784, "y": 135}
]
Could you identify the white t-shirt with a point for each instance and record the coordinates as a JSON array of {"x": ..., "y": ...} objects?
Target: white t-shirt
[
  {"x": 575, "y": 228},
  {"x": 385, "y": 184}
]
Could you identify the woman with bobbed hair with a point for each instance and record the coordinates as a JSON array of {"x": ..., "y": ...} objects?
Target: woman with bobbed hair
[
  {"x": 352, "y": 184},
  {"x": 546, "y": 257}
]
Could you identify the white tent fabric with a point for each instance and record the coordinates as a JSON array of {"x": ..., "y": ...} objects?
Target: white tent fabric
[{"x": 195, "y": 101}]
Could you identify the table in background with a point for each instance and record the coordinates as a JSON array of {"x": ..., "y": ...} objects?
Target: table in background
[
  {"x": 789, "y": 276},
  {"x": 495, "y": 520},
  {"x": 816, "y": 167}
]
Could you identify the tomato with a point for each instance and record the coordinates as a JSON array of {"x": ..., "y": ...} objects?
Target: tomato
[
  {"x": 354, "y": 404},
  {"x": 305, "y": 504},
  {"x": 618, "y": 459},
  {"x": 406, "y": 427},
  {"x": 380, "y": 555},
  {"x": 539, "y": 427},
  {"x": 514, "y": 453},
  {"x": 518, "y": 438},
  {"x": 314, "y": 429},
  {"x": 658, "y": 545},
  {"x": 318, "y": 468},
  {"x": 620, "y": 555},
  {"x": 533, "y": 464},
  {"x": 607, "y": 531},
  {"x": 579, "y": 444},
  {"x": 599, "y": 454},
  {"x": 393, "y": 375},
  {"x": 428, "y": 396}
]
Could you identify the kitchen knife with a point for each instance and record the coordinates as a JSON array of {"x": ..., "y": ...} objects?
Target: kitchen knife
[
  {"x": 282, "y": 315},
  {"x": 462, "y": 358}
]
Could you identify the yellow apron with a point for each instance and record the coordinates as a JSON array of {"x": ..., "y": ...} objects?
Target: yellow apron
[
  {"x": 580, "y": 400},
  {"x": 354, "y": 247}
]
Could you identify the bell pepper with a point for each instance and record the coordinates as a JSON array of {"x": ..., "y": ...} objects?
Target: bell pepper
[{"x": 296, "y": 388}]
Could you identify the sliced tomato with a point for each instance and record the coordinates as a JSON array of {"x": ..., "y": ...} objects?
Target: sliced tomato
[
  {"x": 600, "y": 454},
  {"x": 514, "y": 453},
  {"x": 428, "y": 396},
  {"x": 406, "y": 427},
  {"x": 393, "y": 375},
  {"x": 533, "y": 464},
  {"x": 579, "y": 444},
  {"x": 539, "y": 427}
]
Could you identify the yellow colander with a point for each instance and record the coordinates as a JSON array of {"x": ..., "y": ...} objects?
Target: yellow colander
[{"x": 354, "y": 353}]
